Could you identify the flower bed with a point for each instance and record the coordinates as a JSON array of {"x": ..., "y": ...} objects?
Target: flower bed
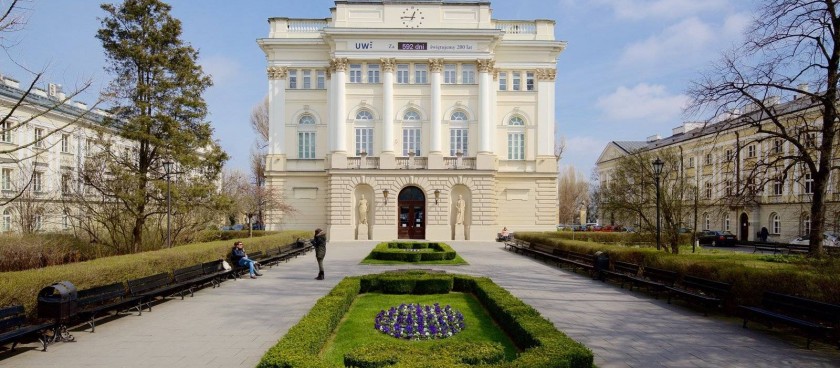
[
  {"x": 419, "y": 322},
  {"x": 414, "y": 252},
  {"x": 541, "y": 344}
]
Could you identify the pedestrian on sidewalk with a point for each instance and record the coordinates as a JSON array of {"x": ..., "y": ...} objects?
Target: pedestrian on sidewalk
[
  {"x": 320, "y": 244},
  {"x": 238, "y": 256}
]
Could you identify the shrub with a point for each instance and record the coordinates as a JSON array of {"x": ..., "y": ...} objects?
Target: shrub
[{"x": 395, "y": 251}]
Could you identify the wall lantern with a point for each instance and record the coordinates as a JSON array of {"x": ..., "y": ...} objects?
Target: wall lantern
[
  {"x": 385, "y": 194},
  {"x": 437, "y": 196}
]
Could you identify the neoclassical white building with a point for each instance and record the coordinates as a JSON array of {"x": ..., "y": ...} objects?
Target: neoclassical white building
[{"x": 423, "y": 119}]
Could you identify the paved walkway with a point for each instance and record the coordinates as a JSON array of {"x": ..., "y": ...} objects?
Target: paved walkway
[{"x": 232, "y": 326}]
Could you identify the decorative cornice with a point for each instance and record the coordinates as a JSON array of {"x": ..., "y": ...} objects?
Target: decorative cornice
[
  {"x": 388, "y": 64},
  {"x": 277, "y": 72},
  {"x": 485, "y": 65},
  {"x": 435, "y": 65},
  {"x": 546, "y": 74},
  {"x": 339, "y": 64}
]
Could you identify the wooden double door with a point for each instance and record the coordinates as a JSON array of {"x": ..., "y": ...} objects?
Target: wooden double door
[{"x": 411, "y": 204}]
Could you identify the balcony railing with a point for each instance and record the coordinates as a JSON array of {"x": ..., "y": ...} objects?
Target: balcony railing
[
  {"x": 307, "y": 25},
  {"x": 458, "y": 163},
  {"x": 363, "y": 163},
  {"x": 516, "y": 27},
  {"x": 410, "y": 163}
]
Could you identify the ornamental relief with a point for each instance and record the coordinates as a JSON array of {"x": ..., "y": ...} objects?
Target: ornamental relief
[
  {"x": 485, "y": 65},
  {"x": 546, "y": 74},
  {"x": 495, "y": 73},
  {"x": 277, "y": 72},
  {"x": 436, "y": 65},
  {"x": 339, "y": 64},
  {"x": 388, "y": 64}
]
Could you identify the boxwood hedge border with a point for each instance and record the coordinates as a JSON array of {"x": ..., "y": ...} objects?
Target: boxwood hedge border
[
  {"x": 395, "y": 251},
  {"x": 542, "y": 345}
]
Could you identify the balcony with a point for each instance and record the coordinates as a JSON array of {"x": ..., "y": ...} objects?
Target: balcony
[
  {"x": 539, "y": 29},
  {"x": 459, "y": 163},
  {"x": 296, "y": 28},
  {"x": 411, "y": 163},
  {"x": 363, "y": 163}
]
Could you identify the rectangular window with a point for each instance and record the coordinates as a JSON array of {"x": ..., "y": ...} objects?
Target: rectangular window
[
  {"x": 708, "y": 159},
  {"x": 516, "y": 146},
  {"x": 728, "y": 189},
  {"x": 726, "y": 223},
  {"x": 7, "y": 221},
  {"x": 751, "y": 151},
  {"x": 458, "y": 139},
  {"x": 37, "y": 222},
  {"x": 691, "y": 162},
  {"x": 364, "y": 141},
  {"x": 37, "y": 182},
  {"x": 65, "y": 143},
  {"x": 293, "y": 79},
  {"x": 708, "y": 191},
  {"x": 66, "y": 183},
  {"x": 307, "y": 79},
  {"x": 306, "y": 145},
  {"x": 65, "y": 222},
  {"x": 777, "y": 146},
  {"x": 777, "y": 224},
  {"x": 809, "y": 184},
  {"x": 421, "y": 74},
  {"x": 529, "y": 81},
  {"x": 321, "y": 79},
  {"x": 6, "y": 179},
  {"x": 402, "y": 74},
  {"x": 373, "y": 73},
  {"x": 778, "y": 185},
  {"x": 411, "y": 141},
  {"x": 728, "y": 155},
  {"x": 517, "y": 81},
  {"x": 355, "y": 73},
  {"x": 39, "y": 137},
  {"x": 502, "y": 81},
  {"x": 468, "y": 73},
  {"x": 811, "y": 140},
  {"x": 89, "y": 146},
  {"x": 450, "y": 74},
  {"x": 6, "y": 131}
]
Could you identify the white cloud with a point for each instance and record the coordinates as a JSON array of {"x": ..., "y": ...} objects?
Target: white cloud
[
  {"x": 642, "y": 9},
  {"x": 223, "y": 69},
  {"x": 680, "y": 41},
  {"x": 582, "y": 152},
  {"x": 642, "y": 102}
]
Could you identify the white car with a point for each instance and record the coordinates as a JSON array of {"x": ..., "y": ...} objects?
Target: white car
[{"x": 829, "y": 240}]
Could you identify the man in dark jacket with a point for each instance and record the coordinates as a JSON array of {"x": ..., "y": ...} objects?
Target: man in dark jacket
[
  {"x": 320, "y": 244},
  {"x": 239, "y": 256}
]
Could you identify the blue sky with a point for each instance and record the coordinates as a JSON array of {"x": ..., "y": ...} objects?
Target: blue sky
[{"x": 622, "y": 77}]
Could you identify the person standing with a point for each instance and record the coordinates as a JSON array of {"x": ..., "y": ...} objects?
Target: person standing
[
  {"x": 239, "y": 257},
  {"x": 320, "y": 244}
]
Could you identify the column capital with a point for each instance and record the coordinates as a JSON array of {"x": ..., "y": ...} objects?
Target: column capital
[
  {"x": 435, "y": 65},
  {"x": 277, "y": 72},
  {"x": 328, "y": 73},
  {"x": 485, "y": 65},
  {"x": 388, "y": 64},
  {"x": 495, "y": 73},
  {"x": 546, "y": 74},
  {"x": 339, "y": 64}
]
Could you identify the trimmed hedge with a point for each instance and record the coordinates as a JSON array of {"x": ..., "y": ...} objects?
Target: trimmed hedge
[
  {"x": 542, "y": 344},
  {"x": 614, "y": 237},
  {"x": 21, "y": 287},
  {"x": 395, "y": 251}
]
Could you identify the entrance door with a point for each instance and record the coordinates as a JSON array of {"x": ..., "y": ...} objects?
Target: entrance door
[
  {"x": 412, "y": 211},
  {"x": 744, "y": 223}
]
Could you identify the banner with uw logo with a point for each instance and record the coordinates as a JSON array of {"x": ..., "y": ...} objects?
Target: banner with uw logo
[{"x": 390, "y": 45}]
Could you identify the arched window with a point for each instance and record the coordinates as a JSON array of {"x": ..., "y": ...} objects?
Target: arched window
[
  {"x": 707, "y": 221},
  {"x": 775, "y": 223},
  {"x": 806, "y": 224},
  {"x": 458, "y": 115},
  {"x": 306, "y": 137},
  {"x": 516, "y": 121},
  {"x": 7, "y": 221},
  {"x": 726, "y": 223},
  {"x": 364, "y": 115},
  {"x": 411, "y": 115},
  {"x": 306, "y": 120}
]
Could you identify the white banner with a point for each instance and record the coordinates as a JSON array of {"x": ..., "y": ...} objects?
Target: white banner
[{"x": 390, "y": 45}]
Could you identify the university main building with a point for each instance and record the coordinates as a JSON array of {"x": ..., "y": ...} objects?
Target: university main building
[{"x": 423, "y": 119}]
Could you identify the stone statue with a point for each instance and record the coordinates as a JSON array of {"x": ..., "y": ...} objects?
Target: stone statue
[
  {"x": 460, "y": 207},
  {"x": 363, "y": 210}
]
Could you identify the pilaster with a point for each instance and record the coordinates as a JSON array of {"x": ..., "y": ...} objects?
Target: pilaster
[{"x": 276, "y": 109}]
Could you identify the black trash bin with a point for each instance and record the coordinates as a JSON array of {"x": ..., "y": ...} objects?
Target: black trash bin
[
  {"x": 58, "y": 301},
  {"x": 601, "y": 261}
]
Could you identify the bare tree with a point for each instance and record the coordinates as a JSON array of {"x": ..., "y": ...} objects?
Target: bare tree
[
  {"x": 791, "y": 50},
  {"x": 573, "y": 194}
]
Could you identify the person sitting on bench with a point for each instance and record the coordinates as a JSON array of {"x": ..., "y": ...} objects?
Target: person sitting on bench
[
  {"x": 239, "y": 256},
  {"x": 504, "y": 235}
]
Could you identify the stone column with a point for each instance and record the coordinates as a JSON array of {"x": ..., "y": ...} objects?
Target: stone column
[
  {"x": 339, "y": 116},
  {"x": 485, "y": 160},
  {"x": 330, "y": 102},
  {"x": 276, "y": 117},
  {"x": 387, "y": 158},
  {"x": 545, "y": 120},
  {"x": 435, "y": 135}
]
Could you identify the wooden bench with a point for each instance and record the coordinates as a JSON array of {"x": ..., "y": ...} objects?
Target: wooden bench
[
  {"x": 654, "y": 279},
  {"x": 13, "y": 327},
  {"x": 190, "y": 278},
  {"x": 709, "y": 293},
  {"x": 575, "y": 259},
  {"x": 216, "y": 270},
  {"x": 544, "y": 251},
  {"x": 102, "y": 299},
  {"x": 517, "y": 245},
  {"x": 146, "y": 289},
  {"x": 620, "y": 271},
  {"x": 815, "y": 319}
]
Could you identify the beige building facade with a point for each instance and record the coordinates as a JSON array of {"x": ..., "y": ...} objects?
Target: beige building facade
[{"x": 419, "y": 120}]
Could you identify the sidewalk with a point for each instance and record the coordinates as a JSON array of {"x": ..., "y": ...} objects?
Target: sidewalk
[{"x": 232, "y": 326}]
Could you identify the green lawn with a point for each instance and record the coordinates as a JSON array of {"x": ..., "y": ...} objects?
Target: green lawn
[
  {"x": 451, "y": 262},
  {"x": 356, "y": 329}
]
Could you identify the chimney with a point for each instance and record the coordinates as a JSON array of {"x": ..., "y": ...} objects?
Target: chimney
[
  {"x": 39, "y": 92},
  {"x": 11, "y": 82},
  {"x": 803, "y": 89},
  {"x": 80, "y": 105},
  {"x": 653, "y": 138}
]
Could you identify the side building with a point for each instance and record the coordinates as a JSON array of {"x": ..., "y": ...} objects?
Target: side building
[
  {"x": 745, "y": 180},
  {"x": 422, "y": 119}
]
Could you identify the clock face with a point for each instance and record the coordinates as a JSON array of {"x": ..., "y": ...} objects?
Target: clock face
[{"x": 412, "y": 17}]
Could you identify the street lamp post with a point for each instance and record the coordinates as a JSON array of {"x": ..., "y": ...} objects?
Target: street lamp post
[
  {"x": 657, "y": 171},
  {"x": 167, "y": 166}
]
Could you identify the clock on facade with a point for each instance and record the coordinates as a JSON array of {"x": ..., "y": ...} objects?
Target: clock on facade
[{"x": 412, "y": 17}]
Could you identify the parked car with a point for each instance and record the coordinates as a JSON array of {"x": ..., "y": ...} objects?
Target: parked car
[
  {"x": 829, "y": 240},
  {"x": 716, "y": 238}
]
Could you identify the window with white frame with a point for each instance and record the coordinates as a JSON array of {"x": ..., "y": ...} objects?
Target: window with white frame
[
  {"x": 728, "y": 188},
  {"x": 373, "y": 73},
  {"x": 364, "y": 115},
  {"x": 708, "y": 159},
  {"x": 806, "y": 224},
  {"x": 529, "y": 81},
  {"x": 364, "y": 141},
  {"x": 65, "y": 143},
  {"x": 66, "y": 183},
  {"x": 65, "y": 222},
  {"x": 517, "y": 81},
  {"x": 458, "y": 116},
  {"x": 6, "y": 179},
  {"x": 89, "y": 146},
  {"x": 403, "y": 74},
  {"x": 751, "y": 151},
  {"x": 293, "y": 82},
  {"x": 727, "y": 223},
  {"x": 355, "y": 73},
  {"x": 37, "y": 222},
  {"x": 6, "y": 131},
  {"x": 691, "y": 162},
  {"x": 502, "y": 81},
  {"x": 516, "y": 121},
  {"x": 307, "y": 79},
  {"x": 468, "y": 73},
  {"x": 809, "y": 183},
  {"x": 39, "y": 137},
  {"x": 811, "y": 140},
  {"x": 775, "y": 224},
  {"x": 321, "y": 79},
  {"x": 778, "y": 186},
  {"x": 307, "y": 120},
  {"x": 728, "y": 155},
  {"x": 708, "y": 193},
  {"x": 458, "y": 139},
  {"x": 516, "y": 146},
  {"x": 777, "y": 146},
  {"x": 411, "y": 141},
  {"x": 421, "y": 73},
  {"x": 306, "y": 145},
  {"x": 707, "y": 221},
  {"x": 450, "y": 75},
  {"x": 411, "y": 115},
  {"x": 37, "y": 182},
  {"x": 7, "y": 220}
]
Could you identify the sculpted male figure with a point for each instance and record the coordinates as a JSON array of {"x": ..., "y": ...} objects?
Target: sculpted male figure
[
  {"x": 363, "y": 210},
  {"x": 461, "y": 206}
]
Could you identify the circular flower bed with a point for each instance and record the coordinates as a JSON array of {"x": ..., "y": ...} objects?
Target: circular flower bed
[{"x": 420, "y": 322}]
